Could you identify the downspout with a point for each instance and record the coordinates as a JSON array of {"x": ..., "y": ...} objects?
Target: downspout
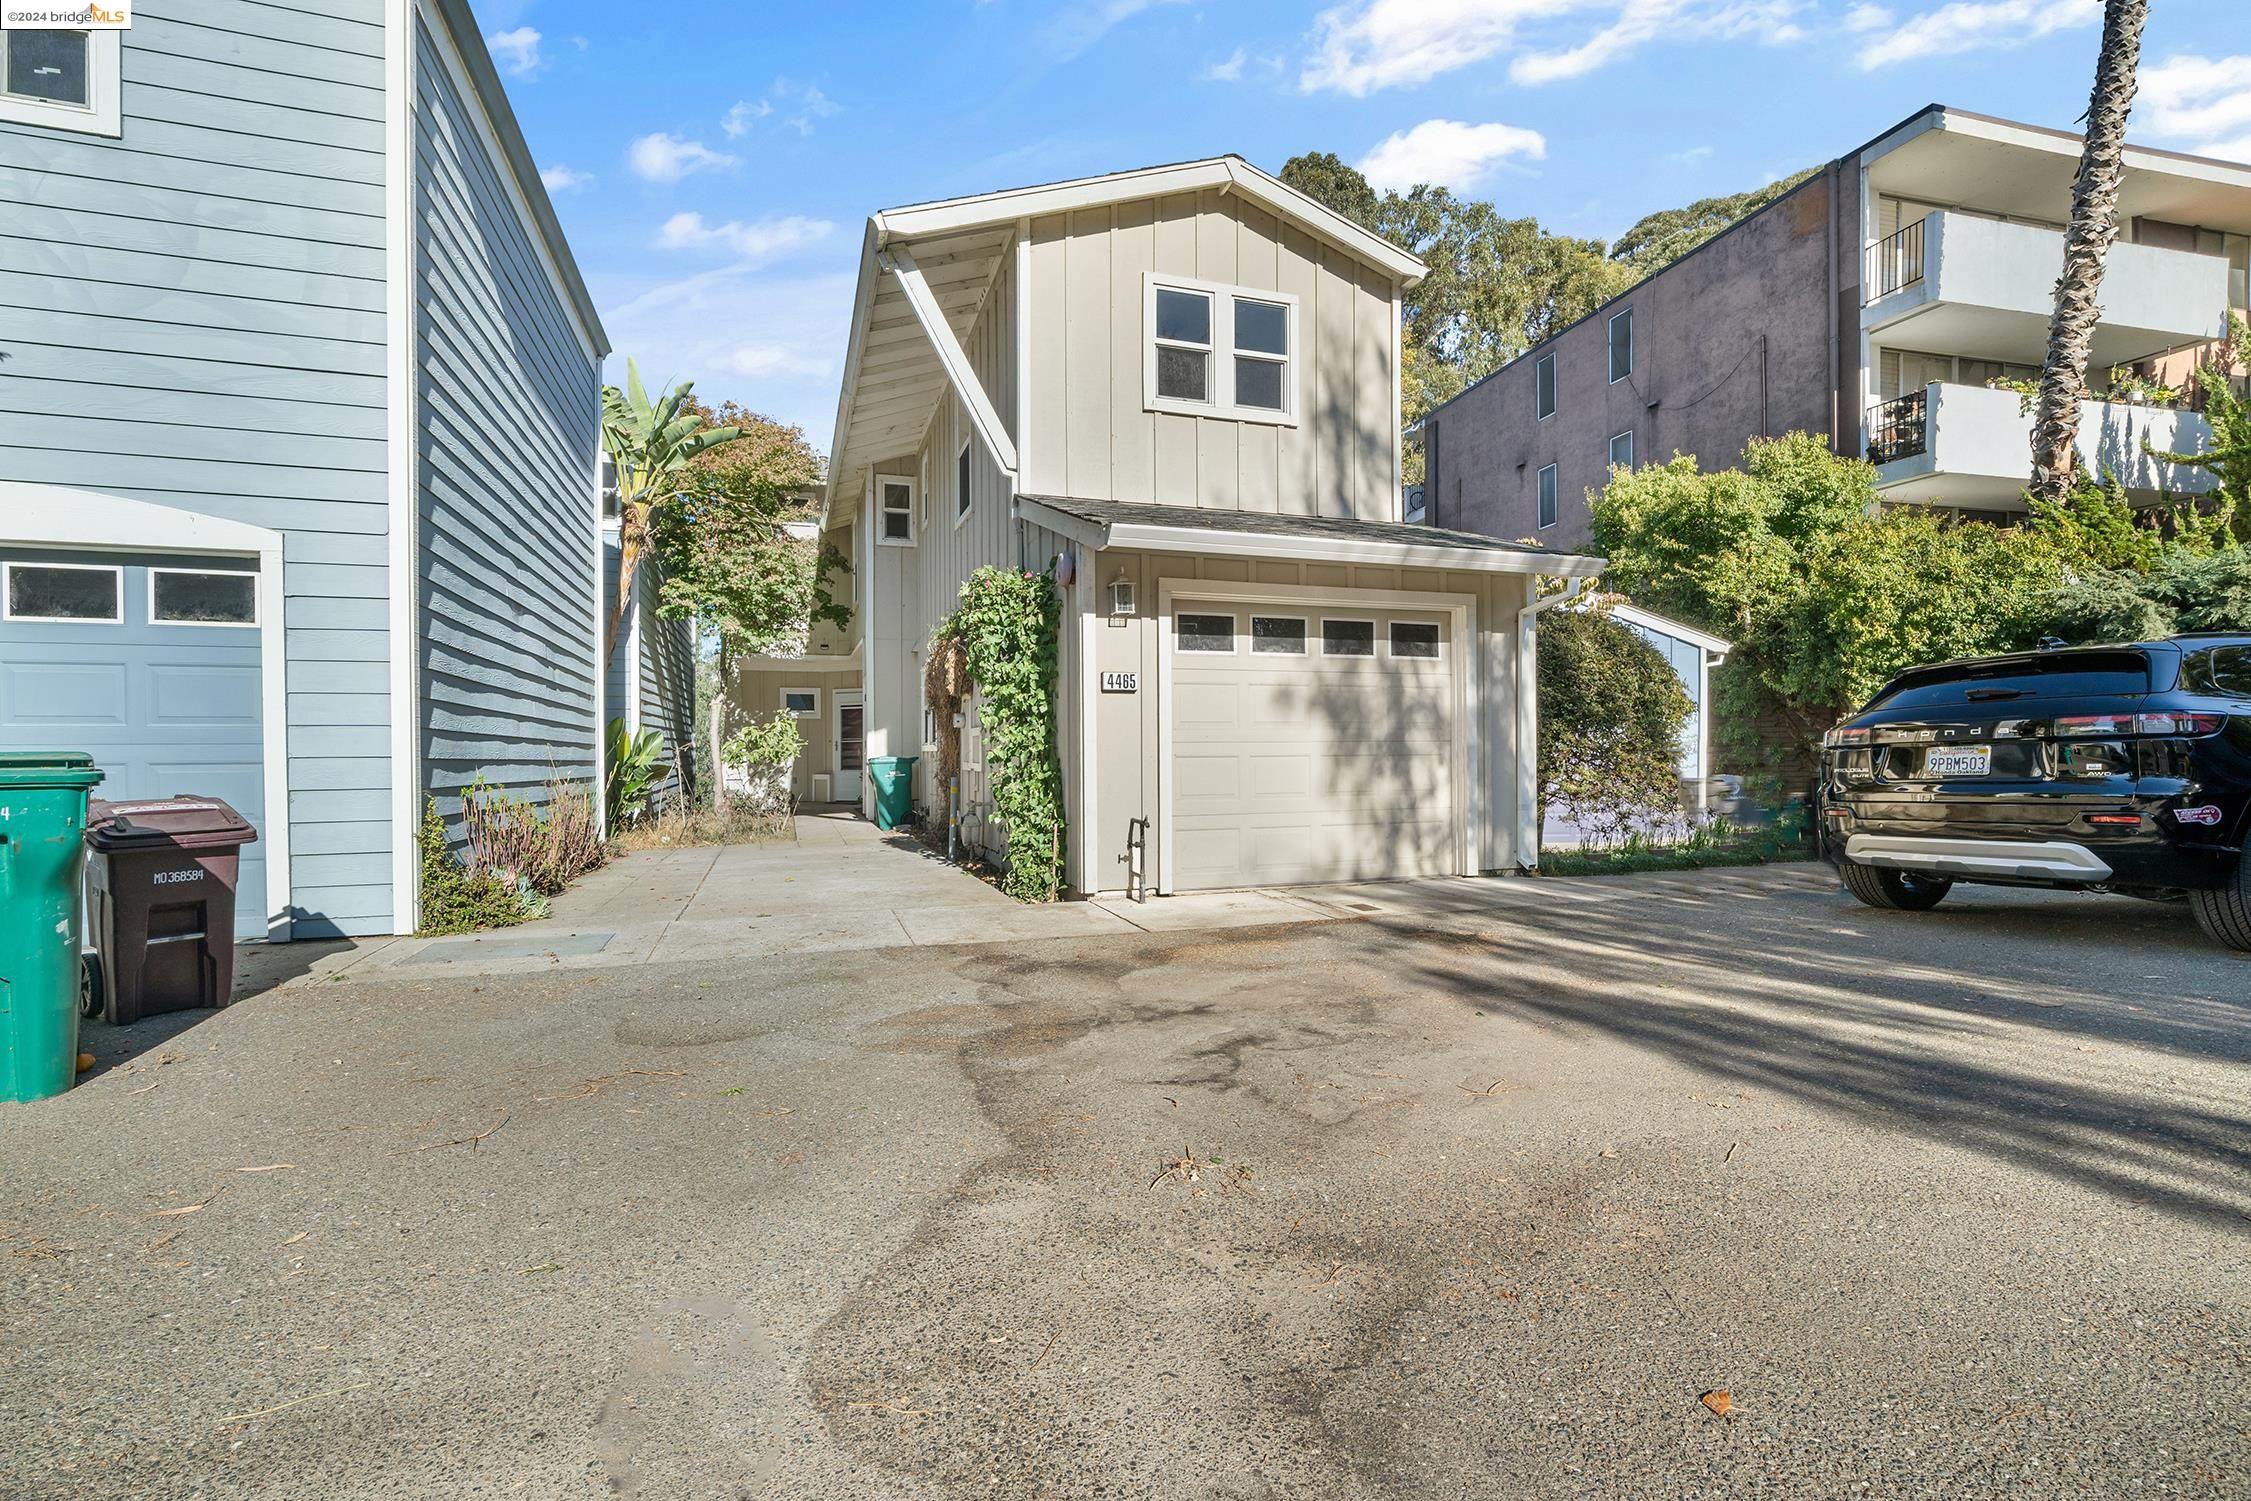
[{"x": 1528, "y": 718}]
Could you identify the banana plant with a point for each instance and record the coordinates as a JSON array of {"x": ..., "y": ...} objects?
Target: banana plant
[
  {"x": 636, "y": 765},
  {"x": 653, "y": 446}
]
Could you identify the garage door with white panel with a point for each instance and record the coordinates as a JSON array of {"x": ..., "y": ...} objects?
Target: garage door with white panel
[
  {"x": 151, "y": 664},
  {"x": 1312, "y": 743}
]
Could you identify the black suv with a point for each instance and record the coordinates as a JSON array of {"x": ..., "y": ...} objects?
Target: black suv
[{"x": 2102, "y": 768}]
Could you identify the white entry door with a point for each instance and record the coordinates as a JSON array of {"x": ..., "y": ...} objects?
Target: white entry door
[
  {"x": 850, "y": 746},
  {"x": 1311, "y": 742}
]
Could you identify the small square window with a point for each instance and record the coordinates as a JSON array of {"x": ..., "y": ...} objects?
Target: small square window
[
  {"x": 1622, "y": 450},
  {"x": 1183, "y": 317},
  {"x": 1258, "y": 383},
  {"x": 1277, "y": 635},
  {"x": 63, "y": 80},
  {"x": 802, "y": 703},
  {"x": 1543, "y": 388},
  {"x": 1415, "y": 638},
  {"x": 1183, "y": 374},
  {"x": 1262, "y": 327},
  {"x": 1213, "y": 634},
  {"x": 1348, "y": 638},
  {"x": 895, "y": 512},
  {"x": 178, "y": 596},
  {"x": 1547, "y": 496},
  {"x": 1621, "y": 345},
  {"x": 64, "y": 592}
]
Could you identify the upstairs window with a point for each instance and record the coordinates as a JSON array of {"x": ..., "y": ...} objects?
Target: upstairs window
[
  {"x": 1543, "y": 388},
  {"x": 64, "y": 80},
  {"x": 1622, "y": 450},
  {"x": 1621, "y": 345},
  {"x": 961, "y": 483},
  {"x": 1219, "y": 351},
  {"x": 894, "y": 511},
  {"x": 1547, "y": 497}
]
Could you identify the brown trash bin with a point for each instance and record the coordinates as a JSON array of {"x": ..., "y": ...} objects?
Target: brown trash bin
[{"x": 160, "y": 888}]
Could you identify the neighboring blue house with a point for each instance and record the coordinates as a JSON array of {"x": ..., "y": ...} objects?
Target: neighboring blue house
[{"x": 299, "y": 398}]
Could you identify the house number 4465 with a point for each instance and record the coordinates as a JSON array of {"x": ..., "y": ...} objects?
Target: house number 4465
[{"x": 1121, "y": 682}]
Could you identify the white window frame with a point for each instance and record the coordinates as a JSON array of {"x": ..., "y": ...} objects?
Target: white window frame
[
  {"x": 1221, "y": 351},
  {"x": 911, "y": 512},
  {"x": 1610, "y": 345},
  {"x": 965, "y": 469},
  {"x": 1375, "y": 637},
  {"x": 1391, "y": 644},
  {"x": 813, "y": 713},
  {"x": 205, "y": 625},
  {"x": 1548, "y": 478},
  {"x": 8, "y": 591},
  {"x": 1555, "y": 393},
  {"x": 1235, "y": 635},
  {"x": 1628, "y": 435},
  {"x": 1305, "y": 634},
  {"x": 100, "y": 115}
]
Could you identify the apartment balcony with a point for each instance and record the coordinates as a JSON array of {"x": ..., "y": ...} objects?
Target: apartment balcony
[
  {"x": 1954, "y": 283},
  {"x": 1970, "y": 446}
]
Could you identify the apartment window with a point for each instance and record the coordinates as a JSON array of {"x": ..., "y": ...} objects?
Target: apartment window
[
  {"x": 1416, "y": 639},
  {"x": 64, "y": 80},
  {"x": 1547, "y": 496},
  {"x": 1207, "y": 634},
  {"x": 1621, "y": 345},
  {"x": 183, "y": 596},
  {"x": 86, "y": 594},
  {"x": 1348, "y": 638},
  {"x": 894, "y": 505},
  {"x": 1220, "y": 351},
  {"x": 1543, "y": 388},
  {"x": 1277, "y": 636},
  {"x": 1622, "y": 450},
  {"x": 961, "y": 483},
  {"x": 802, "y": 703}
]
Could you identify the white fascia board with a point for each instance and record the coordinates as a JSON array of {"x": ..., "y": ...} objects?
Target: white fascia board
[
  {"x": 953, "y": 215},
  {"x": 1091, "y": 535},
  {"x": 863, "y": 298},
  {"x": 1347, "y": 550},
  {"x": 402, "y": 420},
  {"x": 1665, "y": 625},
  {"x": 959, "y": 371}
]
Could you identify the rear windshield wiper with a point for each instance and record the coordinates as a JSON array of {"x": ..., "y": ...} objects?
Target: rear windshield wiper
[{"x": 1982, "y": 695}]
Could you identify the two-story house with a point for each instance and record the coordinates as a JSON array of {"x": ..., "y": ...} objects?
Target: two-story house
[
  {"x": 299, "y": 403},
  {"x": 1177, "y": 390},
  {"x": 1889, "y": 302}
]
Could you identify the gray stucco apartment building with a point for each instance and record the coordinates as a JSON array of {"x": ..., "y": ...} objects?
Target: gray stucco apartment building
[{"x": 1876, "y": 303}]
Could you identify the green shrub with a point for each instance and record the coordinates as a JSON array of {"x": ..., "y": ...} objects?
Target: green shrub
[
  {"x": 1611, "y": 713},
  {"x": 633, "y": 768},
  {"x": 457, "y": 898},
  {"x": 1006, "y": 624},
  {"x": 766, "y": 749}
]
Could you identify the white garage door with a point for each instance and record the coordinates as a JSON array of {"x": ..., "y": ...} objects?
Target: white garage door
[
  {"x": 1311, "y": 744},
  {"x": 152, "y": 666}
]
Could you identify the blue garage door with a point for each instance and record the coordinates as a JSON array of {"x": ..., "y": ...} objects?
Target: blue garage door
[{"x": 150, "y": 664}]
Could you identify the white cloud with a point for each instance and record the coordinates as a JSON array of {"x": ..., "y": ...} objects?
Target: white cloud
[
  {"x": 774, "y": 359},
  {"x": 562, "y": 179},
  {"x": 1228, "y": 69},
  {"x": 742, "y": 116},
  {"x": 752, "y": 244},
  {"x": 517, "y": 51},
  {"x": 1365, "y": 45},
  {"x": 668, "y": 158},
  {"x": 694, "y": 328},
  {"x": 1081, "y": 26},
  {"x": 1448, "y": 153},
  {"x": 1867, "y": 18},
  {"x": 797, "y": 105},
  {"x": 2204, "y": 102},
  {"x": 1688, "y": 156},
  {"x": 1972, "y": 25}
]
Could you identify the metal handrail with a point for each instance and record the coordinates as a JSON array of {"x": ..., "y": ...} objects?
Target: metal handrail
[
  {"x": 1896, "y": 261},
  {"x": 1899, "y": 428}
]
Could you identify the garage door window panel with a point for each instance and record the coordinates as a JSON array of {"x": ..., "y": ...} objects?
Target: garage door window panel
[
  {"x": 1348, "y": 638},
  {"x": 1207, "y": 635},
  {"x": 183, "y": 596},
  {"x": 1278, "y": 635},
  {"x": 1417, "y": 640},
  {"x": 64, "y": 593}
]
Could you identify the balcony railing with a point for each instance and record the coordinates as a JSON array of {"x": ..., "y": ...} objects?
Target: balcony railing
[
  {"x": 1896, "y": 262},
  {"x": 1899, "y": 428}
]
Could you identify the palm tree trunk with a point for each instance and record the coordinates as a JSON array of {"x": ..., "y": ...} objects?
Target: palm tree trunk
[
  {"x": 2094, "y": 224},
  {"x": 630, "y": 541}
]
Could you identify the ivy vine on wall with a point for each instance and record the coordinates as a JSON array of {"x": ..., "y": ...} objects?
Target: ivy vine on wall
[{"x": 1006, "y": 626}]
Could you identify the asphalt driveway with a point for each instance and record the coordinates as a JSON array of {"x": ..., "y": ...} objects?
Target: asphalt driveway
[{"x": 1477, "y": 1203}]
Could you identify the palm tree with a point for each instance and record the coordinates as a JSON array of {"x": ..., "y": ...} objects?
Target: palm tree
[
  {"x": 2094, "y": 224},
  {"x": 653, "y": 447}
]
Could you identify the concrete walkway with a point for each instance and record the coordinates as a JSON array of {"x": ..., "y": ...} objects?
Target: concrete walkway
[{"x": 844, "y": 885}]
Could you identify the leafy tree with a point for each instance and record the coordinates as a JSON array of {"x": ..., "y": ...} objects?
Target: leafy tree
[
  {"x": 727, "y": 558},
  {"x": 1611, "y": 712},
  {"x": 653, "y": 446},
  {"x": 1665, "y": 236},
  {"x": 2229, "y": 413}
]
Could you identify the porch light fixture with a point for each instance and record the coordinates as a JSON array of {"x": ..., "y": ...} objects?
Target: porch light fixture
[{"x": 1121, "y": 594}]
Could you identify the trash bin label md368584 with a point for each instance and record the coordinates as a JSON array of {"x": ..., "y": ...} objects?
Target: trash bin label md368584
[{"x": 176, "y": 877}]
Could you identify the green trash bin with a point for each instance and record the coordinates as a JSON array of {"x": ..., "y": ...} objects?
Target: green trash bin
[
  {"x": 42, "y": 856},
  {"x": 894, "y": 789}
]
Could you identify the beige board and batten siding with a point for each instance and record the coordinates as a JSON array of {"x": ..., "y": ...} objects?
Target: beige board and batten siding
[
  {"x": 1129, "y": 773},
  {"x": 755, "y": 693},
  {"x": 1094, "y": 437}
]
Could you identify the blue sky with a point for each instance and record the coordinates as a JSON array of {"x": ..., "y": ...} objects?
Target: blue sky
[{"x": 715, "y": 179}]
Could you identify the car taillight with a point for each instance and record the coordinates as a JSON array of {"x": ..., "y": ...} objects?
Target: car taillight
[
  {"x": 2080, "y": 726},
  {"x": 1846, "y": 739}
]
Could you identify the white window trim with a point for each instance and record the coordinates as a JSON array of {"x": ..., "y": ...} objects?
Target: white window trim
[
  {"x": 965, "y": 470},
  {"x": 1221, "y": 352},
  {"x": 1610, "y": 343},
  {"x": 100, "y": 115},
  {"x": 912, "y": 511},
  {"x": 1628, "y": 435},
  {"x": 1374, "y": 636},
  {"x": 1235, "y": 636},
  {"x": 1545, "y": 471},
  {"x": 205, "y": 625},
  {"x": 1305, "y": 639},
  {"x": 8, "y": 591},
  {"x": 1555, "y": 392},
  {"x": 1391, "y": 644},
  {"x": 812, "y": 713}
]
